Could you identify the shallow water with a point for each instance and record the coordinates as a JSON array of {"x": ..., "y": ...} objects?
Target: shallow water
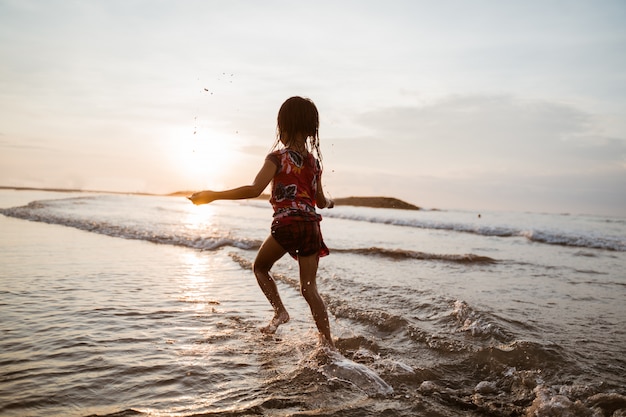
[{"x": 129, "y": 305}]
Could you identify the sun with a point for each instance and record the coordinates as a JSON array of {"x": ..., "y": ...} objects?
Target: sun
[{"x": 203, "y": 157}]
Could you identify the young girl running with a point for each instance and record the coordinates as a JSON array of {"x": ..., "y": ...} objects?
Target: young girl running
[{"x": 296, "y": 176}]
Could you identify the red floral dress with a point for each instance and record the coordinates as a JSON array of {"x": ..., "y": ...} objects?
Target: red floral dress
[
  {"x": 294, "y": 187},
  {"x": 295, "y": 184}
]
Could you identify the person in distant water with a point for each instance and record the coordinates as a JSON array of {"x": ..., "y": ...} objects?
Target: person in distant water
[{"x": 295, "y": 171}]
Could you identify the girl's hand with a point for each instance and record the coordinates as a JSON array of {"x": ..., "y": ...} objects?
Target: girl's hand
[{"x": 202, "y": 197}]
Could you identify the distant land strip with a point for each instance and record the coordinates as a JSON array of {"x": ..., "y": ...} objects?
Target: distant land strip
[
  {"x": 375, "y": 202},
  {"x": 69, "y": 190}
]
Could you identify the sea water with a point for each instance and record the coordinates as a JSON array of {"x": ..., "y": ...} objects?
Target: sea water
[{"x": 146, "y": 305}]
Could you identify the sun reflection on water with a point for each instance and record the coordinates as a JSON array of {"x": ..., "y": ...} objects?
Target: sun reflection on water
[
  {"x": 196, "y": 281},
  {"x": 199, "y": 218}
]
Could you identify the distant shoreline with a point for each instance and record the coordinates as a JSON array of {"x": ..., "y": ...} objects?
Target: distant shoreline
[{"x": 374, "y": 202}]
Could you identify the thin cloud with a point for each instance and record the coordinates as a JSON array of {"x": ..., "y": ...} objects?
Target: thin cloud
[{"x": 499, "y": 132}]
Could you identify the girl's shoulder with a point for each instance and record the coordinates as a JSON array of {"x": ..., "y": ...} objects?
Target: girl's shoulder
[
  {"x": 274, "y": 157},
  {"x": 277, "y": 154},
  {"x": 280, "y": 157}
]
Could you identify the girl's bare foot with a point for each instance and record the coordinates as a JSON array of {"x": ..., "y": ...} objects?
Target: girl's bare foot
[
  {"x": 327, "y": 343},
  {"x": 277, "y": 320}
]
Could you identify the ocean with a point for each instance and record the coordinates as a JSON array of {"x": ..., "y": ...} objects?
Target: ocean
[{"x": 129, "y": 305}]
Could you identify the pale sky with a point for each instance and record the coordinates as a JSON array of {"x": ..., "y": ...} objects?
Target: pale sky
[{"x": 478, "y": 105}]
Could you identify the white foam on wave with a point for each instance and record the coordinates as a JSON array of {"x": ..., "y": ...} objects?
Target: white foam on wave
[
  {"x": 533, "y": 232},
  {"x": 548, "y": 403},
  {"x": 362, "y": 377},
  {"x": 471, "y": 321}
]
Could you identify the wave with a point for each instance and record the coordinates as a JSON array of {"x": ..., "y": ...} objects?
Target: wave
[
  {"x": 454, "y": 327},
  {"x": 33, "y": 212},
  {"x": 38, "y": 211},
  {"x": 581, "y": 241},
  {"x": 494, "y": 372},
  {"x": 538, "y": 236},
  {"x": 68, "y": 212},
  {"x": 407, "y": 254},
  {"x": 496, "y": 364}
]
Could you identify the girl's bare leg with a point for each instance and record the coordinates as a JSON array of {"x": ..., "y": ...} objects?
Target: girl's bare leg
[
  {"x": 269, "y": 253},
  {"x": 308, "y": 288}
]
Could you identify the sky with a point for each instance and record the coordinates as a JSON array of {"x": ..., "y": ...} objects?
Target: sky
[{"x": 447, "y": 104}]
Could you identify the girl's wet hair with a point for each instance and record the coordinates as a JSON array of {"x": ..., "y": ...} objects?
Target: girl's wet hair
[{"x": 298, "y": 116}]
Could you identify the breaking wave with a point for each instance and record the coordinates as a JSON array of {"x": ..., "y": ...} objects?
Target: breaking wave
[
  {"x": 539, "y": 236},
  {"x": 46, "y": 212}
]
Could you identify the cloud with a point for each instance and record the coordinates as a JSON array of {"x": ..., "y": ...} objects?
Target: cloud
[
  {"x": 485, "y": 151},
  {"x": 9, "y": 145},
  {"x": 471, "y": 135}
]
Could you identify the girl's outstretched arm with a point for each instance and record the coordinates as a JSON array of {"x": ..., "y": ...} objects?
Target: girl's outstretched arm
[{"x": 253, "y": 190}]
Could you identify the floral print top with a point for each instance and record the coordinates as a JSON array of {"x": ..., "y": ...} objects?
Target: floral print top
[{"x": 295, "y": 184}]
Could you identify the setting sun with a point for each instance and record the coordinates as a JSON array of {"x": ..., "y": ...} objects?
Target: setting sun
[{"x": 203, "y": 157}]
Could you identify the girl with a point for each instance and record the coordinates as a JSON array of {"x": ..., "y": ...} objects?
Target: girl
[{"x": 296, "y": 176}]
